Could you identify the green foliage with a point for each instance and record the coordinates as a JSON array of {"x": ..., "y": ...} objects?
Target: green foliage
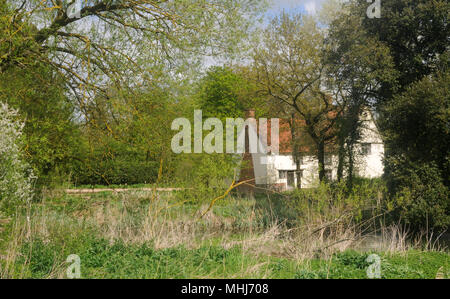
[
  {"x": 43, "y": 31},
  {"x": 102, "y": 259},
  {"x": 357, "y": 66},
  {"x": 117, "y": 172},
  {"x": 418, "y": 152},
  {"x": 414, "y": 108},
  {"x": 221, "y": 94},
  {"x": 69, "y": 224},
  {"x": 50, "y": 133},
  {"x": 423, "y": 202},
  {"x": 356, "y": 60},
  {"x": 352, "y": 264},
  {"x": 416, "y": 125},
  {"x": 112, "y": 162},
  {"x": 416, "y": 32},
  {"x": 16, "y": 176},
  {"x": 344, "y": 265},
  {"x": 206, "y": 176},
  {"x": 15, "y": 38},
  {"x": 125, "y": 136},
  {"x": 327, "y": 202},
  {"x": 42, "y": 257}
]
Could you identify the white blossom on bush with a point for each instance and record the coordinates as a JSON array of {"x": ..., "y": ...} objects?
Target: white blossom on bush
[{"x": 16, "y": 176}]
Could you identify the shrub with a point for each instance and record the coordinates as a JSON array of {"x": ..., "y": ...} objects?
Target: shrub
[
  {"x": 16, "y": 176},
  {"x": 206, "y": 176},
  {"x": 327, "y": 202},
  {"x": 117, "y": 172},
  {"x": 423, "y": 202}
]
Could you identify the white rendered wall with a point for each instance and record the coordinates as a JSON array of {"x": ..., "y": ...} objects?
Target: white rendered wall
[
  {"x": 371, "y": 166},
  {"x": 267, "y": 167}
]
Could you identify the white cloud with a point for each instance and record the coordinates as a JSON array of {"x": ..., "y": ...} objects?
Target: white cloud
[{"x": 310, "y": 7}]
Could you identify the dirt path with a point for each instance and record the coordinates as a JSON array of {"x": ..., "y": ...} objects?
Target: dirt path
[{"x": 118, "y": 190}]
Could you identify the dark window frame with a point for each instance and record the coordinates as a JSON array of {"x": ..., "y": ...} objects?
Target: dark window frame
[{"x": 366, "y": 149}]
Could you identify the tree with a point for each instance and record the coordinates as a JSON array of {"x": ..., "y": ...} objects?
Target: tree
[
  {"x": 108, "y": 58},
  {"x": 417, "y": 127},
  {"x": 289, "y": 70},
  {"x": 219, "y": 94},
  {"x": 417, "y": 34},
  {"x": 50, "y": 130},
  {"x": 413, "y": 110},
  {"x": 422, "y": 198},
  {"x": 227, "y": 93},
  {"x": 128, "y": 136},
  {"x": 118, "y": 41},
  {"x": 357, "y": 66}
]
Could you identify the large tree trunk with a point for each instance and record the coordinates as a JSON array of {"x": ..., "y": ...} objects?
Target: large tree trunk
[
  {"x": 321, "y": 158},
  {"x": 352, "y": 140},
  {"x": 294, "y": 137},
  {"x": 351, "y": 165},
  {"x": 295, "y": 149},
  {"x": 341, "y": 160}
]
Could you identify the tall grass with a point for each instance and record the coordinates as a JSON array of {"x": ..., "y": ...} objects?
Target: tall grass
[{"x": 238, "y": 238}]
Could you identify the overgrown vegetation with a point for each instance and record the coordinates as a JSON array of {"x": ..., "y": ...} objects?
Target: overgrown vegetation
[
  {"x": 89, "y": 102},
  {"x": 16, "y": 176},
  {"x": 128, "y": 235}
]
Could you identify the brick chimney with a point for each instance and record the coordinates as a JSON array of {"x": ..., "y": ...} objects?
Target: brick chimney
[
  {"x": 250, "y": 113},
  {"x": 247, "y": 167}
]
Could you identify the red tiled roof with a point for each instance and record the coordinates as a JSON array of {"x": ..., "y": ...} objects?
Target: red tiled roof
[{"x": 285, "y": 136}]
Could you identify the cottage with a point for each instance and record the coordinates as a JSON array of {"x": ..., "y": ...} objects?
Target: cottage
[{"x": 279, "y": 170}]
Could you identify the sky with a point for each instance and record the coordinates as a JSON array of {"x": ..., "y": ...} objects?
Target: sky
[
  {"x": 304, "y": 6},
  {"x": 276, "y": 7}
]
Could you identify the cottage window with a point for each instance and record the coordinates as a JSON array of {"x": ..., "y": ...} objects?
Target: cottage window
[
  {"x": 366, "y": 149},
  {"x": 282, "y": 174}
]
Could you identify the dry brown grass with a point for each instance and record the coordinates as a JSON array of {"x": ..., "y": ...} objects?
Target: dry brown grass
[{"x": 133, "y": 219}]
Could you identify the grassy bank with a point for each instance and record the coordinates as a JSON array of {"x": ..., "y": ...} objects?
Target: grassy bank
[
  {"x": 137, "y": 235},
  {"x": 102, "y": 259}
]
